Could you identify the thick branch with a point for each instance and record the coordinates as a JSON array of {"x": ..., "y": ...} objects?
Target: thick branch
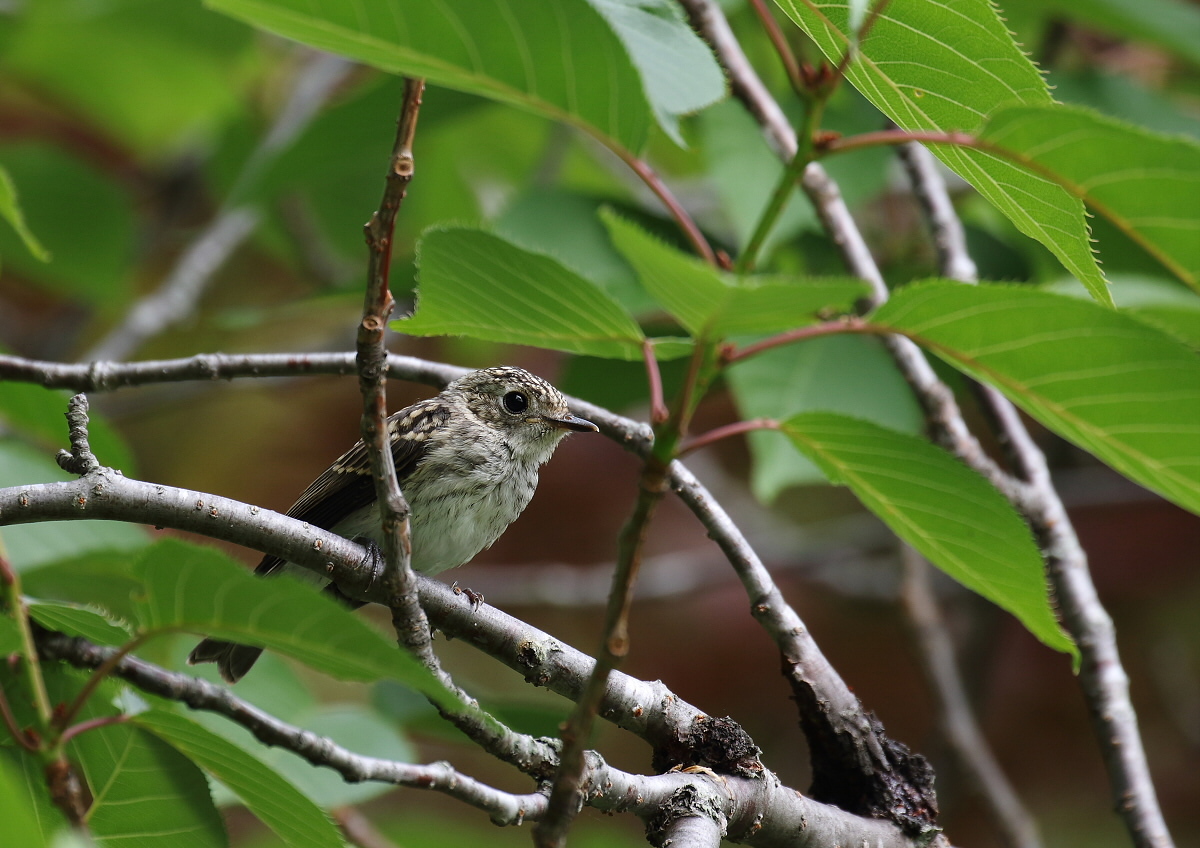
[{"x": 672, "y": 742}]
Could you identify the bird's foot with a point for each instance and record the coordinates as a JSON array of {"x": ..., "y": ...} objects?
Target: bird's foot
[
  {"x": 374, "y": 560},
  {"x": 476, "y": 598}
]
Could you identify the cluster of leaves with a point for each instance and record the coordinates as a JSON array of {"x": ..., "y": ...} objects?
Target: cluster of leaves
[{"x": 573, "y": 262}]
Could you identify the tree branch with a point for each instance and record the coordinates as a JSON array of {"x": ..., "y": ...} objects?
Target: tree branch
[
  {"x": 1101, "y": 674},
  {"x": 408, "y": 619},
  {"x": 841, "y": 709},
  {"x": 936, "y": 653}
]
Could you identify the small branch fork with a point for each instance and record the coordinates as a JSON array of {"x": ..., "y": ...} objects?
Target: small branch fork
[{"x": 407, "y": 616}]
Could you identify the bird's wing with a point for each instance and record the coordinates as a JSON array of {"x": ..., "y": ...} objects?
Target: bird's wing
[{"x": 347, "y": 485}]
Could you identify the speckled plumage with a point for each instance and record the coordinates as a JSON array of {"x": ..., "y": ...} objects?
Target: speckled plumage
[{"x": 467, "y": 463}]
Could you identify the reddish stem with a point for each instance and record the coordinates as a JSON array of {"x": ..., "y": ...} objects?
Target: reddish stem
[
  {"x": 658, "y": 407},
  {"x": 656, "y": 185},
  {"x": 896, "y": 137},
  {"x": 91, "y": 724},
  {"x": 791, "y": 65},
  {"x": 10, "y": 721},
  {"x": 829, "y": 328},
  {"x": 734, "y": 429}
]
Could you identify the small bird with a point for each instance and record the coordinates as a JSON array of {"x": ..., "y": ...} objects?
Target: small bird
[{"x": 467, "y": 461}]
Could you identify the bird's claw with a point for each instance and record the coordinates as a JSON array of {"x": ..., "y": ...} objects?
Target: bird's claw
[{"x": 476, "y": 598}]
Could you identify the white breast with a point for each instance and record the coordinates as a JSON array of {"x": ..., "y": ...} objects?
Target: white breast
[{"x": 457, "y": 510}]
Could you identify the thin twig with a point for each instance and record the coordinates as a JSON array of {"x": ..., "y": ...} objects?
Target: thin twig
[
  {"x": 658, "y": 407},
  {"x": 565, "y": 800},
  {"x": 849, "y": 324},
  {"x": 408, "y": 619},
  {"x": 92, "y": 724},
  {"x": 854, "y": 44},
  {"x": 957, "y": 720},
  {"x": 14, "y": 730}
]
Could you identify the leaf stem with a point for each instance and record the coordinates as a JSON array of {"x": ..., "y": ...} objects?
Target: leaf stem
[
  {"x": 856, "y": 40},
  {"x": 658, "y": 407},
  {"x": 66, "y": 716},
  {"x": 654, "y": 182},
  {"x": 91, "y": 724},
  {"x": 895, "y": 137},
  {"x": 10, "y": 585},
  {"x": 829, "y": 328},
  {"x": 806, "y": 151},
  {"x": 10, "y": 721},
  {"x": 718, "y": 433},
  {"x": 796, "y": 74}
]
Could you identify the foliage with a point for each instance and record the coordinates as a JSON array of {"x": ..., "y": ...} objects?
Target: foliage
[{"x": 523, "y": 229}]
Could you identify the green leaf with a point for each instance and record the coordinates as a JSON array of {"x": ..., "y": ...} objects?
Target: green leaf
[
  {"x": 558, "y": 58},
  {"x": 1166, "y": 305},
  {"x": 155, "y": 76},
  {"x": 200, "y": 590},
  {"x": 77, "y": 620},
  {"x": 146, "y": 793},
  {"x": 945, "y": 65},
  {"x": 1114, "y": 386},
  {"x": 34, "y": 545},
  {"x": 476, "y": 284},
  {"x": 948, "y": 512},
  {"x": 565, "y": 225},
  {"x": 678, "y": 71},
  {"x": 1145, "y": 183},
  {"x": 267, "y": 793},
  {"x": 18, "y": 814},
  {"x": 37, "y": 412},
  {"x": 712, "y": 305},
  {"x": 10, "y": 211},
  {"x": 851, "y": 375},
  {"x": 83, "y": 217}
]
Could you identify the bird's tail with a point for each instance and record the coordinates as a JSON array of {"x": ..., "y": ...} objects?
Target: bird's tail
[{"x": 233, "y": 660}]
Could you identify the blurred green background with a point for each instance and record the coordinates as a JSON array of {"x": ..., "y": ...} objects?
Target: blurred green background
[{"x": 129, "y": 126}]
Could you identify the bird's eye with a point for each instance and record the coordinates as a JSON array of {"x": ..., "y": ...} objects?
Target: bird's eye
[{"x": 516, "y": 402}]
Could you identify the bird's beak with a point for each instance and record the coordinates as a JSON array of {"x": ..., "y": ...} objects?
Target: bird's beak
[{"x": 572, "y": 422}]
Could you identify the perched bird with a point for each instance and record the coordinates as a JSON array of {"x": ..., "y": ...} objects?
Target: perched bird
[{"x": 467, "y": 461}]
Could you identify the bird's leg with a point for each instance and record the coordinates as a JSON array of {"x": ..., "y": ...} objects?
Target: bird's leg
[{"x": 373, "y": 560}]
